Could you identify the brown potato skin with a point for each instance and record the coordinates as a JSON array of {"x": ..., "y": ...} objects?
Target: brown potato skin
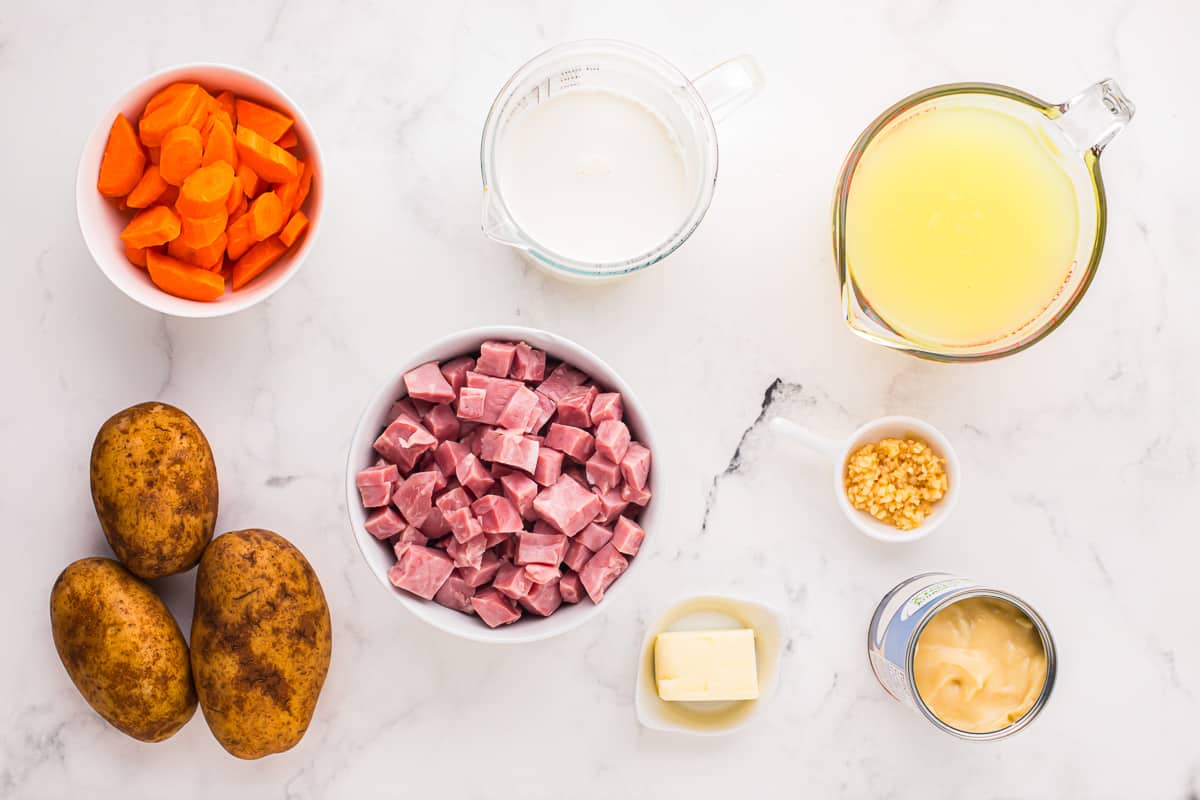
[
  {"x": 261, "y": 642},
  {"x": 122, "y": 649},
  {"x": 154, "y": 485}
]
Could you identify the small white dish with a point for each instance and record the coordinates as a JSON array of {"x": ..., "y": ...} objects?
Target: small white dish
[
  {"x": 379, "y": 555},
  {"x": 708, "y": 612},
  {"x": 101, "y": 222},
  {"x": 839, "y": 450}
]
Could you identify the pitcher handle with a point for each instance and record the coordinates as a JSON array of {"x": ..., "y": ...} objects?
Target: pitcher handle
[
  {"x": 1093, "y": 117},
  {"x": 730, "y": 85}
]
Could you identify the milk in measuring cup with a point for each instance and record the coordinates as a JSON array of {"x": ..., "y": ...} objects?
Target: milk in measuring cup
[{"x": 595, "y": 176}]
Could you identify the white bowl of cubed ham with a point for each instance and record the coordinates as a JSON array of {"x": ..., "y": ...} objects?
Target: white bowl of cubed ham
[{"x": 499, "y": 484}]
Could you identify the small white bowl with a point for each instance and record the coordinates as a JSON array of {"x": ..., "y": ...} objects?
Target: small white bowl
[
  {"x": 379, "y": 555},
  {"x": 101, "y": 222},
  {"x": 710, "y": 612},
  {"x": 840, "y": 450}
]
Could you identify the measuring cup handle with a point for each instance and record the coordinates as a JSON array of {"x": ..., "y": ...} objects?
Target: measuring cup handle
[
  {"x": 1093, "y": 117},
  {"x": 813, "y": 441},
  {"x": 730, "y": 85}
]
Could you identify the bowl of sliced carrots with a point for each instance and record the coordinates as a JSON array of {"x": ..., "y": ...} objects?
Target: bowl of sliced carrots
[{"x": 199, "y": 192}]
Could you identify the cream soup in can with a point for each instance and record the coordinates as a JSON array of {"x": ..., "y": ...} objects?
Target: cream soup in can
[{"x": 903, "y": 615}]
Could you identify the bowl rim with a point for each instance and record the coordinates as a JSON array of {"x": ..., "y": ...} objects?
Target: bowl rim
[
  {"x": 85, "y": 187},
  {"x": 426, "y": 610}
]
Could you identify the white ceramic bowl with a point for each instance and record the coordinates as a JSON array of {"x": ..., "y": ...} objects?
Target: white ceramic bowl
[
  {"x": 101, "y": 222},
  {"x": 708, "y": 612},
  {"x": 840, "y": 450},
  {"x": 379, "y": 555}
]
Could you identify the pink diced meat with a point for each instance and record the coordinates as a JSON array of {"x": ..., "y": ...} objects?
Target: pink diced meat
[
  {"x": 442, "y": 422},
  {"x": 567, "y": 506},
  {"x": 601, "y": 570},
  {"x": 520, "y": 491},
  {"x": 448, "y": 455},
  {"x": 494, "y": 539},
  {"x": 474, "y": 475},
  {"x": 384, "y": 522},
  {"x": 497, "y": 393},
  {"x": 545, "y": 410},
  {"x": 463, "y": 524},
  {"x": 478, "y": 576},
  {"x": 528, "y": 364},
  {"x": 607, "y": 405},
  {"x": 435, "y": 524},
  {"x": 468, "y": 553},
  {"x": 575, "y": 406},
  {"x": 406, "y": 539},
  {"x": 512, "y": 581},
  {"x": 509, "y": 447},
  {"x": 495, "y": 358},
  {"x": 575, "y": 442},
  {"x": 421, "y": 571},
  {"x": 593, "y": 537},
  {"x": 401, "y": 407},
  {"x": 452, "y": 499},
  {"x": 494, "y": 609},
  {"x": 426, "y": 382},
  {"x": 543, "y": 599},
  {"x": 497, "y": 515},
  {"x": 571, "y": 588},
  {"x": 548, "y": 466},
  {"x": 521, "y": 410},
  {"x": 542, "y": 573},
  {"x": 612, "y": 505},
  {"x": 375, "y": 496},
  {"x": 627, "y": 536},
  {"x": 422, "y": 406},
  {"x": 631, "y": 494},
  {"x": 612, "y": 440},
  {"x": 561, "y": 380},
  {"x": 414, "y": 497},
  {"x": 602, "y": 473},
  {"x": 455, "y": 372},
  {"x": 635, "y": 466},
  {"x": 378, "y": 475},
  {"x": 403, "y": 441},
  {"x": 472, "y": 403},
  {"x": 577, "y": 555},
  {"x": 456, "y": 593},
  {"x": 541, "y": 548}
]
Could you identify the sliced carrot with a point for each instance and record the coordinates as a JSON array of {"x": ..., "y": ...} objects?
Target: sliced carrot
[
  {"x": 219, "y": 146},
  {"x": 256, "y": 260},
  {"x": 249, "y": 180},
  {"x": 288, "y": 140},
  {"x": 164, "y": 96},
  {"x": 268, "y": 160},
  {"x": 266, "y": 215},
  {"x": 123, "y": 160},
  {"x": 205, "y": 191},
  {"x": 240, "y": 237},
  {"x": 136, "y": 255},
  {"x": 291, "y": 232},
  {"x": 197, "y": 232},
  {"x": 148, "y": 189},
  {"x": 226, "y": 101},
  {"x": 204, "y": 257},
  {"x": 235, "y": 196},
  {"x": 183, "y": 280},
  {"x": 288, "y": 190},
  {"x": 266, "y": 122},
  {"x": 305, "y": 186},
  {"x": 179, "y": 109},
  {"x": 154, "y": 226},
  {"x": 182, "y": 152}
]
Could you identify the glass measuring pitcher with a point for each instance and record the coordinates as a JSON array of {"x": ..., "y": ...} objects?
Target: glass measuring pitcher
[
  {"x": 969, "y": 218},
  {"x": 685, "y": 108}
]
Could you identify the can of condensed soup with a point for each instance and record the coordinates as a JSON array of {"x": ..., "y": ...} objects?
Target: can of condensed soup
[{"x": 904, "y": 614}]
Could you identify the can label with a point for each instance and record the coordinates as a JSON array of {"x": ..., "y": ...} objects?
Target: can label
[{"x": 896, "y": 619}]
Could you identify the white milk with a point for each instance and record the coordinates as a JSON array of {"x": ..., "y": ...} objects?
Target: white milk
[{"x": 594, "y": 175}]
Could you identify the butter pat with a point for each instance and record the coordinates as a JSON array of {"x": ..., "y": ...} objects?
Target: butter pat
[{"x": 706, "y": 665}]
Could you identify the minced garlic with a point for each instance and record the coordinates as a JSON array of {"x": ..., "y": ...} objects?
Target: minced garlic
[{"x": 896, "y": 481}]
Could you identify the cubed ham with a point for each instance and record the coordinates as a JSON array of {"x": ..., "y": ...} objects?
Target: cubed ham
[
  {"x": 497, "y": 514},
  {"x": 435, "y": 525},
  {"x": 401, "y": 407},
  {"x": 406, "y": 539},
  {"x": 497, "y": 393},
  {"x": 521, "y": 410},
  {"x": 507, "y": 548},
  {"x": 456, "y": 593},
  {"x": 498, "y": 538},
  {"x": 612, "y": 440},
  {"x": 375, "y": 496},
  {"x": 627, "y": 536},
  {"x": 403, "y": 441},
  {"x": 494, "y": 609},
  {"x": 631, "y": 494},
  {"x": 541, "y": 548},
  {"x": 577, "y": 555},
  {"x": 575, "y": 442},
  {"x": 495, "y": 358},
  {"x": 601, "y": 570},
  {"x": 448, "y": 455},
  {"x": 607, "y": 405},
  {"x": 518, "y": 450},
  {"x": 528, "y": 364},
  {"x": 575, "y": 406},
  {"x": 472, "y": 404},
  {"x": 570, "y": 587},
  {"x": 475, "y": 577},
  {"x": 455, "y": 372},
  {"x": 545, "y": 410},
  {"x": 602, "y": 473},
  {"x": 512, "y": 581},
  {"x": 422, "y": 406},
  {"x": 413, "y": 497},
  {"x": 542, "y": 573},
  {"x": 593, "y": 537},
  {"x": 442, "y": 422},
  {"x": 520, "y": 490},
  {"x": 561, "y": 380},
  {"x": 468, "y": 553},
  {"x": 635, "y": 466},
  {"x": 421, "y": 571},
  {"x": 426, "y": 382},
  {"x": 474, "y": 475},
  {"x": 567, "y": 506},
  {"x": 548, "y": 466},
  {"x": 612, "y": 505},
  {"x": 463, "y": 524},
  {"x": 452, "y": 499},
  {"x": 429, "y": 464},
  {"x": 379, "y": 475},
  {"x": 384, "y": 522},
  {"x": 543, "y": 599}
]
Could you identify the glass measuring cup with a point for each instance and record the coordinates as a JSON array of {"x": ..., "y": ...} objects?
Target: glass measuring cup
[
  {"x": 688, "y": 108},
  {"x": 1076, "y": 131}
]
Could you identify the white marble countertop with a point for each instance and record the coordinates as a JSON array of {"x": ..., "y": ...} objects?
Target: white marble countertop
[{"x": 1081, "y": 454}]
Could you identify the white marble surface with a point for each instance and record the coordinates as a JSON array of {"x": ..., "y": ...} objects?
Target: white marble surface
[{"x": 1081, "y": 454}]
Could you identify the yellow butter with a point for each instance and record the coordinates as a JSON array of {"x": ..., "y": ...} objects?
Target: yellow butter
[{"x": 706, "y": 665}]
